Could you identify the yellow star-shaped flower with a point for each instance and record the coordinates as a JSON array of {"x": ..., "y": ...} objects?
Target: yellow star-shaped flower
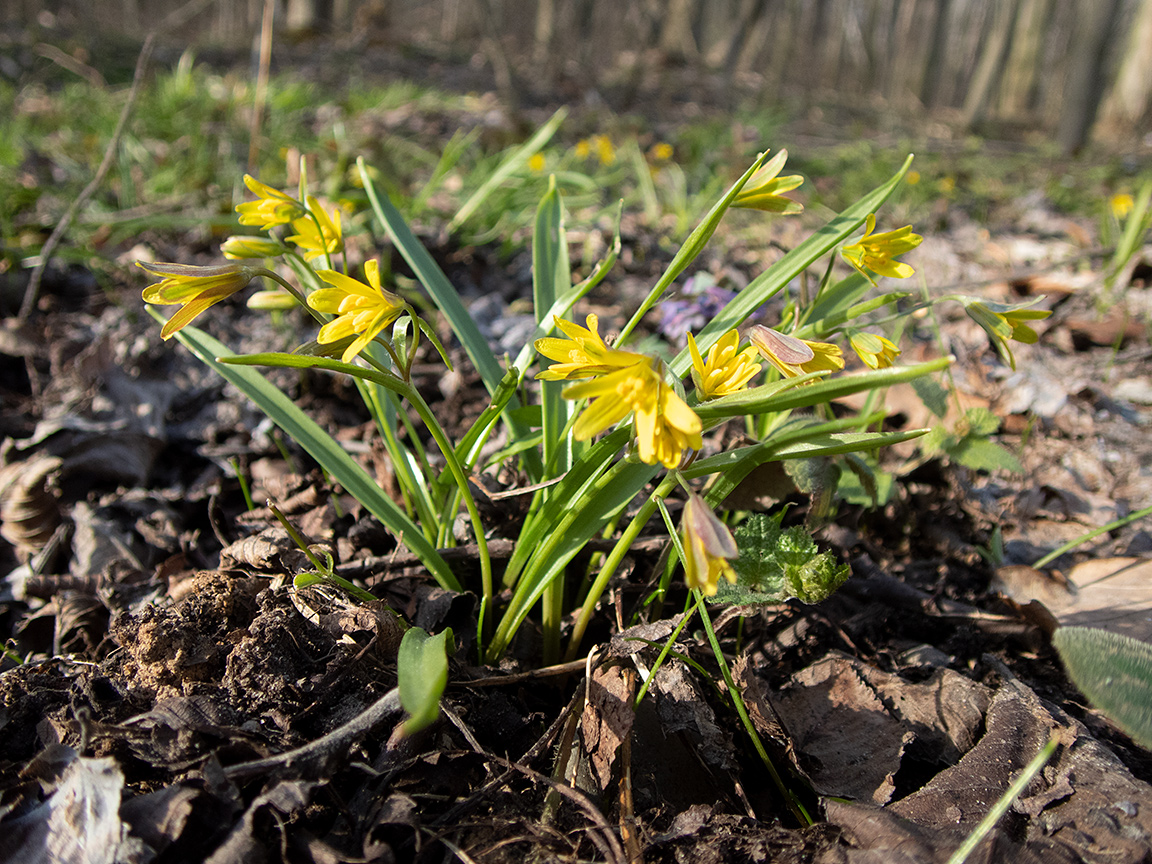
[
  {"x": 875, "y": 251},
  {"x": 363, "y": 309}
]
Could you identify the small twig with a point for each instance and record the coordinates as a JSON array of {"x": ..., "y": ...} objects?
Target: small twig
[
  {"x": 318, "y": 752},
  {"x": 32, "y": 292}
]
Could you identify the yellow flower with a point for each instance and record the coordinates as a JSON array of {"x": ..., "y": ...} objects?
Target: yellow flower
[
  {"x": 1004, "y": 321},
  {"x": 726, "y": 371},
  {"x": 194, "y": 288},
  {"x": 876, "y": 251},
  {"x": 1121, "y": 204},
  {"x": 664, "y": 424},
  {"x": 605, "y": 152},
  {"x": 583, "y": 148},
  {"x": 876, "y": 351},
  {"x": 661, "y": 152},
  {"x": 794, "y": 357},
  {"x": 271, "y": 208},
  {"x": 707, "y": 545},
  {"x": 583, "y": 354},
  {"x": 318, "y": 241},
  {"x": 536, "y": 163},
  {"x": 764, "y": 190},
  {"x": 250, "y": 247},
  {"x": 363, "y": 309}
]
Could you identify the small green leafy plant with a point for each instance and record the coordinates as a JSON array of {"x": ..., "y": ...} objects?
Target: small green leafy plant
[{"x": 610, "y": 433}]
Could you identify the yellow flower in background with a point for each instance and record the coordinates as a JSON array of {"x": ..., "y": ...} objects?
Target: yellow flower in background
[
  {"x": 605, "y": 152},
  {"x": 876, "y": 351},
  {"x": 318, "y": 241},
  {"x": 194, "y": 288},
  {"x": 536, "y": 163},
  {"x": 1121, "y": 204},
  {"x": 239, "y": 247},
  {"x": 583, "y": 354},
  {"x": 764, "y": 190},
  {"x": 876, "y": 251},
  {"x": 363, "y": 309},
  {"x": 271, "y": 208},
  {"x": 727, "y": 370},
  {"x": 1004, "y": 321},
  {"x": 794, "y": 357},
  {"x": 708, "y": 544},
  {"x": 661, "y": 152},
  {"x": 664, "y": 424},
  {"x": 583, "y": 148},
  {"x": 912, "y": 178}
]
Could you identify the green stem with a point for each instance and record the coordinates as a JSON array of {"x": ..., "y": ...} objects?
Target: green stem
[
  {"x": 1095, "y": 532},
  {"x": 449, "y": 452},
  {"x": 790, "y": 799},
  {"x": 627, "y": 538}
]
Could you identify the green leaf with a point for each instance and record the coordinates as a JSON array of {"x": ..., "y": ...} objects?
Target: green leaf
[
  {"x": 934, "y": 396},
  {"x": 422, "y": 670},
  {"x": 319, "y": 445},
  {"x": 980, "y": 454},
  {"x": 1114, "y": 672},
  {"x": 779, "y": 564}
]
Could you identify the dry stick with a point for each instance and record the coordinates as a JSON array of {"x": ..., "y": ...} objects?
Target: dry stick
[
  {"x": 33, "y": 290},
  {"x": 261, "y": 84},
  {"x": 318, "y": 752}
]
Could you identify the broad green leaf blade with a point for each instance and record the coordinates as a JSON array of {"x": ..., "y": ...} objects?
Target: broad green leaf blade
[
  {"x": 772, "y": 280},
  {"x": 1114, "y": 672},
  {"x": 515, "y": 160},
  {"x": 320, "y": 446},
  {"x": 422, "y": 673}
]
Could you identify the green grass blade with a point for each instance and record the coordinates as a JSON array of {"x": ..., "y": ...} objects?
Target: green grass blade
[
  {"x": 320, "y": 446},
  {"x": 516, "y": 160},
  {"x": 551, "y": 277}
]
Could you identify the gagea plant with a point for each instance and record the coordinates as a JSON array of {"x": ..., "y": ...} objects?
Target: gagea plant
[{"x": 605, "y": 434}]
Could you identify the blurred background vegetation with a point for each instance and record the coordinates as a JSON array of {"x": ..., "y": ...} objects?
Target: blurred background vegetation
[{"x": 667, "y": 101}]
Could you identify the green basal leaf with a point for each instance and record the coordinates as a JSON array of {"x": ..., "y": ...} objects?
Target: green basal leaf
[
  {"x": 1114, "y": 672},
  {"x": 980, "y": 454},
  {"x": 422, "y": 670},
  {"x": 778, "y": 564}
]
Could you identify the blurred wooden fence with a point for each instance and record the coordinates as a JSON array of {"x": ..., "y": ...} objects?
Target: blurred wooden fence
[{"x": 1068, "y": 67}]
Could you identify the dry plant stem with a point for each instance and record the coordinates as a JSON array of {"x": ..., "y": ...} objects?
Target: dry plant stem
[
  {"x": 33, "y": 291},
  {"x": 321, "y": 750}
]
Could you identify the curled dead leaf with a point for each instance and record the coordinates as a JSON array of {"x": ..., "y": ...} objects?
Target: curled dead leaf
[{"x": 29, "y": 511}]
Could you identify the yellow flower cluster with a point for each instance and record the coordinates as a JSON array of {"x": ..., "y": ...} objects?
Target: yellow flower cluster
[{"x": 621, "y": 383}]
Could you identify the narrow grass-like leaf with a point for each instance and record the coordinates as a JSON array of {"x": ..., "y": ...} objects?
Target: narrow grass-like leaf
[
  {"x": 515, "y": 160},
  {"x": 320, "y": 446},
  {"x": 1114, "y": 672},
  {"x": 772, "y": 280},
  {"x": 449, "y": 303},
  {"x": 551, "y": 277}
]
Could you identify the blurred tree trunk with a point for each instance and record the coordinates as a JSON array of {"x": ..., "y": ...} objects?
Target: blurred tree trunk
[
  {"x": 1129, "y": 100},
  {"x": 1018, "y": 90},
  {"x": 1087, "y": 72},
  {"x": 990, "y": 66},
  {"x": 676, "y": 41},
  {"x": 934, "y": 65}
]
